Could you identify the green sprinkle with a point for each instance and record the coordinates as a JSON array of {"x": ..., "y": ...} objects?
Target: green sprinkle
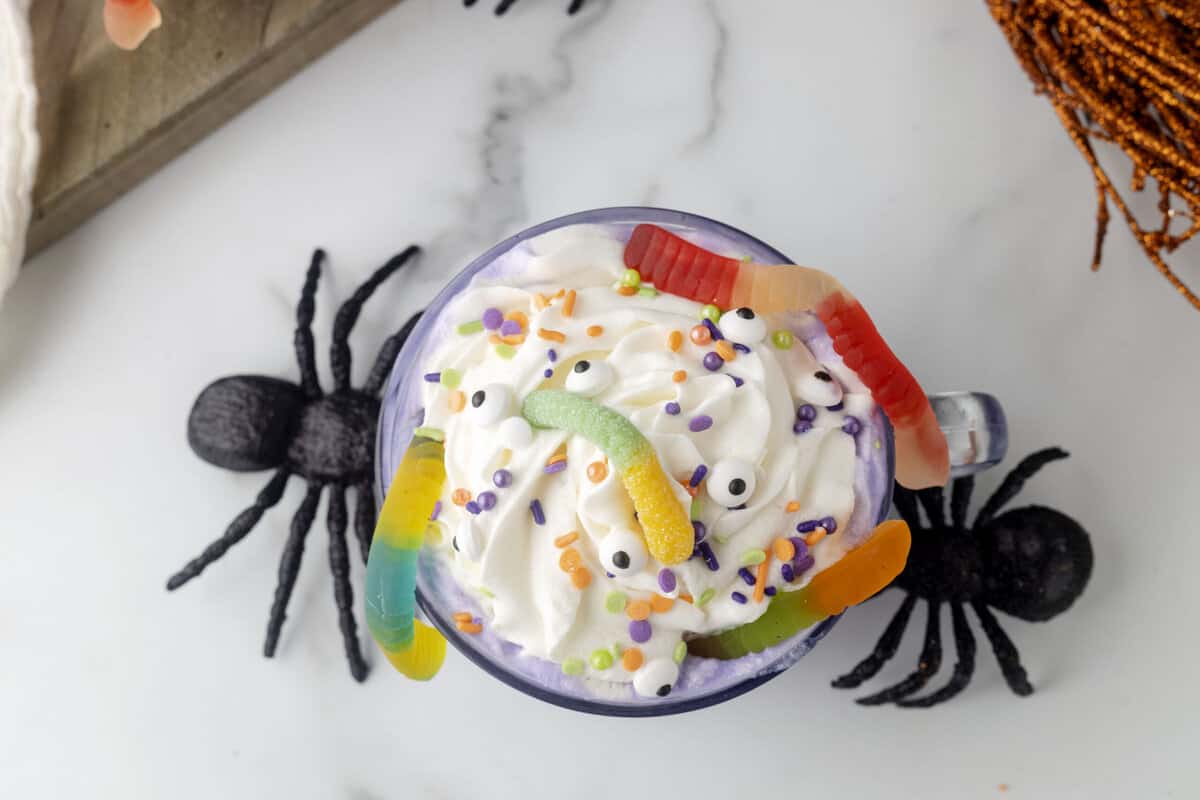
[
  {"x": 452, "y": 377},
  {"x": 878, "y": 444},
  {"x": 722, "y": 539},
  {"x": 782, "y": 339},
  {"x": 745, "y": 259},
  {"x": 711, "y": 313},
  {"x": 437, "y": 434},
  {"x": 705, "y": 596},
  {"x": 474, "y": 326},
  {"x": 631, "y": 277},
  {"x": 615, "y": 602},
  {"x": 486, "y": 592},
  {"x": 572, "y": 666},
  {"x": 601, "y": 659},
  {"x": 680, "y": 651},
  {"x": 647, "y": 291},
  {"x": 697, "y": 508},
  {"x": 505, "y": 350},
  {"x": 752, "y": 558}
]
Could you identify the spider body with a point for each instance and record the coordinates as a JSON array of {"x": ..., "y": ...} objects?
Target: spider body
[
  {"x": 254, "y": 422},
  {"x": 1030, "y": 563}
]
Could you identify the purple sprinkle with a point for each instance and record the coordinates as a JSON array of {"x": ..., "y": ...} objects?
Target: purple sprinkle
[
  {"x": 838, "y": 407},
  {"x": 786, "y": 571},
  {"x": 852, "y": 426},
  {"x": 609, "y": 574},
  {"x": 639, "y": 630},
  {"x": 747, "y": 576},
  {"x": 829, "y": 524},
  {"x": 473, "y": 507},
  {"x": 666, "y": 580},
  {"x": 737, "y": 382},
  {"x": 800, "y": 565},
  {"x": 535, "y": 508},
  {"x": 699, "y": 530},
  {"x": 710, "y": 558},
  {"x": 714, "y": 330},
  {"x": 802, "y": 426},
  {"x": 741, "y": 348},
  {"x": 477, "y": 620},
  {"x": 769, "y": 591},
  {"x": 437, "y": 509},
  {"x": 557, "y": 466},
  {"x": 808, "y": 526},
  {"x": 510, "y": 327},
  {"x": 502, "y": 478},
  {"x": 486, "y": 500},
  {"x": 697, "y": 476},
  {"x": 552, "y": 355},
  {"x": 492, "y": 319},
  {"x": 807, "y": 412},
  {"x": 700, "y": 423},
  {"x": 738, "y": 597},
  {"x": 672, "y": 408},
  {"x": 433, "y": 377},
  {"x": 801, "y": 547},
  {"x": 548, "y": 373},
  {"x": 712, "y": 361}
]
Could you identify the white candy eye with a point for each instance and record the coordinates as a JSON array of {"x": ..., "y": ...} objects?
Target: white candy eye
[
  {"x": 743, "y": 326},
  {"x": 731, "y": 482},
  {"x": 589, "y": 378},
  {"x": 623, "y": 552},
  {"x": 656, "y": 678},
  {"x": 819, "y": 387},
  {"x": 490, "y": 403}
]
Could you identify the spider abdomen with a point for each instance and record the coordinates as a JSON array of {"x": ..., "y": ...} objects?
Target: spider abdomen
[{"x": 335, "y": 438}]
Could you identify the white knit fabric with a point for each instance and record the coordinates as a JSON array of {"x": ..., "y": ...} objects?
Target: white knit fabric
[{"x": 18, "y": 135}]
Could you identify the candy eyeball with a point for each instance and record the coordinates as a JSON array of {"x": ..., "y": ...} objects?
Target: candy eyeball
[
  {"x": 623, "y": 552},
  {"x": 731, "y": 482},
  {"x": 589, "y": 378},
  {"x": 468, "y": 540},
  {"x": 491, "y": 403},
  {"x": 656, "y": 678},
  {"x": 743, "y": 326},
  {"x": 819, "y": 387}
]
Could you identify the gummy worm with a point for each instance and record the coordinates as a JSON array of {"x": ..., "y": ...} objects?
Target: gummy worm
[
  {"x": 414, "y": 648},
  {"x": 665, "y": 522},
  {"x": 129, "y": 22},
  {"x": 677, "y": 266}
]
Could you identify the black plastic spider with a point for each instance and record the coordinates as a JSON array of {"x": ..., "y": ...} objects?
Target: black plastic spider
[
  {"x": 504, "y": 5},
  {"x": 253, "y": 422},
  {"x": 1030, "y": 563}
]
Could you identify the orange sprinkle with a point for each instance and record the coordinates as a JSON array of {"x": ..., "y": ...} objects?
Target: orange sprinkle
[
  {"x": 631, "y": 659},
  {"x": 597, "y": 471},
  {"x": 638, "y": 609},
  {"x": 626, "y": 291},
  {"x": 595, "y": 330},
  {"x": 760, "y": 579},
  {"x": 460, "y": 497},
  {"x": 679, "y": 375},
  {"x": 569, "y": 560},
  {"x": 553, "y": 335},
  {"x": 725, "y": 350},
  {"x": 557, "y": 457},
  {"x": 469, "y": 627},
  {"x": 494, "y": 338},
  {"x": 700, "y": 334},
  {"x": 566, "y": 539},
  {"x": 674, "y": 341},
  {"x": 515, "y": 340},
  {"x": 784, "y": 549},
  {"x": 568, "y": 307},
  {"x": 685, "y": 597},
  {"x": 463, "y": 616},
  {"x": 540, "y": 301},
  {"x": 519, "y": 318},
  {"x": 660, "y": 604},
  {"x": 792, "y": 507},
  {"x": 581, "y": 577},
  {"x": 457, "y": 401},
  {"x": 815, "y": 536}
]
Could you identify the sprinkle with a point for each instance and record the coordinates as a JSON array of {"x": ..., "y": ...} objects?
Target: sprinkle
[
  {"x": 486, "y": 592},
  {"x": 712, "y": 361},
  {"x": 451, "y": 378},
  {"x": 710, "y": 312},
  {"x": 614, "y": 602},
  {"x": 705, "y": 596},
  {"x": 505, "y": 351},
  {"x": 515, "y": 339},
  {"x": 568, "y": 306},
  {"x": 492, "y": 319},
  {"x": 548, "y": 373},
  {"x": 626, "y": 291},
  {"x": 741, "y": 348},
  {"x": 552, "y": 354},
  {"x": 469, "y": 627},
  {"x": 518, "y": 317},
  {"x": 746, "y": 575},
  {"x": 457, "y": 401},
  {"x": 486, "y": 500},
  {"x": 535, "y": 508},
  {"x": 792, "y": 507},
  {"x": 785, "y": 570},
  {"x": 710, "y": 558},
  {"x": 433, "y": 377},
  {"x": 852, "y": 425},
  {"x": 685, "y": 597},
  {"x": 783, "y": 548},
  {"x": 594, "y": 330},
  {"x": 566, "y": 539},
  {"x": 502, "y": 478},
  {"x": 437, "y": 509},
  {"x": 573, "y": 666},
  {"x": 802, "y": 564},
  {"x": 801, "y": 426},
  {"x": 698, "y": 475},
  {"x": 713, "y": 330},
  {"x": 554, "y": 467},
  {"x": 437, "y": 434},
  {"x": 597, "y": 471},
  {"x": 808, "y": 525},
  {"x": 699, "y": 423},
  {"x": 801, "y": 547},
  {"x": 814, "y": 537},
  {"x": 837, "y": 407},
  {"x": 760, "y": 582},
  {"x": 460, "y": 497},
  {"x": 700, "y": 335},
  {"x": 699, "y": 531},
  {"x": 640, "y": 630},
  {"x": 769, "y": 591},
  {"x": 737, "y": 382},
  {"x": 569, "y": 560},
  {"x": 631, "y": 659},
  {"x": 510, "y": 327},
  {"x": 752, "y": 557},
  {"x": 680, "y": 652},
  {"x": 647, "y": 291},
  {"x": 540, "y": 301},
  {"x": 463, "y": 616},
  {"x": 557, "y": 457},
  {"x": 631, "y": 277},
  {"x": 738, "y": 597},
  {"x": 679, "y": 376},
  {"x": 660, "y": 604},
  {"x": 581, "y": 577},
  {"x": 467, "y": 328},
  {"x": 782, "y": 339},
  {"x": 638, "y": 609},
  {"x": 806, "y": 412},
  {"x": 472, "y": 506},
  {"x": 558, "y": 295},
  {"x": 672, "y": 408},
  {"x": 666, "y": 580},
  {"x": 552, "y": 335},
  {"x": 674, "y": 341},
  {"x": 878, "y": 444},
  {"x": 697, "y": 508},
  {"x": 829, "y": 524},
  {"x": 725, "y": 350},
  {"x": 601, "y": 659}
]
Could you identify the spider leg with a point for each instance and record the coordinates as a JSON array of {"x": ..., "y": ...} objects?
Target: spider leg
[
  {"x": 364, "y": 517},
  {"x": 387, "y": 355},
  {"x": 347, "y": 315},
  {"x": 503, "y": 6},
  {"x": 305, "y": 354},
  {"x": 1015, "y": 481},
  {"x": 960, "y": 499},
  {"x": 885, "y": 648},
  {"x": 242, "y": 524},
  {"x": 575, "y": 6},
  {"x": 906, "y": 503},
  {"x": 289, "y": 566},
  {"x": 933, "y": 500},
  {"x": 1005, "y": 650},
  {"x": 964, "y": 642},
  {"x": 343, "y": 595},
  {"x": 927, "y": 665}
]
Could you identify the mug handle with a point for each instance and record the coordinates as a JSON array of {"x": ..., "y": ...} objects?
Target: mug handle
[{"x": 975, "y": 427}]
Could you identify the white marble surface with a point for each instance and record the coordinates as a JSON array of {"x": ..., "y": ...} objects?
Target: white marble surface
[{"x": 896, "y": 144}]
